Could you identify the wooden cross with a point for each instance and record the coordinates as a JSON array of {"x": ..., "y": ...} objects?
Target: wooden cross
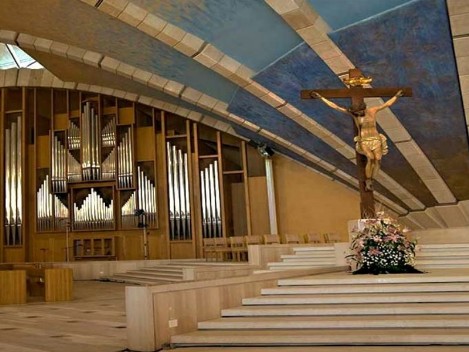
[{"x": 357, "y": 93}]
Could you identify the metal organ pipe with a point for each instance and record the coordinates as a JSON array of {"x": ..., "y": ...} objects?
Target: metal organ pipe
[
  {"x": 59, "y": 166},
  {"x": 73, "y": 169},
  {"x": 146, "y": 194},
  {"x": 172, "y": 217},
  {"x": 109, "y": 166},
  {"x": 73, "y": 136},
  {"x": 93, "y": 214},
  {"x": 13, "y": 183},
  {"x": 125, "y": 161},
  {"x": 91, "y": 165},
  {"x": 108, "y": 134},
  {"x": 178, "y": 189},
  {"x": 211, "y": 210}
]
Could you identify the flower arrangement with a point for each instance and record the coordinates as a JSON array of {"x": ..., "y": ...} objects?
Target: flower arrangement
[{"x": 381, "y": 247}]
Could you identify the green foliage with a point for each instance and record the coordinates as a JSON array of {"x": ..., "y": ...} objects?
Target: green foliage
[{"x": 381, "y": 247}]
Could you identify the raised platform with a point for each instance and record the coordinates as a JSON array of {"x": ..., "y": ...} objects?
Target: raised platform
[{"x": 341, "y": 309}]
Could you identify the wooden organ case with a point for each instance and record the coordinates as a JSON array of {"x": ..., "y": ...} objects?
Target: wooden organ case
[{"x": 86, "y": 175}]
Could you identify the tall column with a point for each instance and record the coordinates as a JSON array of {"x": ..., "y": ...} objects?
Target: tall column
[{"x": 269, "y": 173}]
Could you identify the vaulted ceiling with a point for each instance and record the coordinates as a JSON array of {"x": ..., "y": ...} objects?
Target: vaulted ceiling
[{"x": 239, "y": 65}]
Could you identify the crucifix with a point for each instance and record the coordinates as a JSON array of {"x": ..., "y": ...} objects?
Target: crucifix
[{"x": 370, "y": 144}]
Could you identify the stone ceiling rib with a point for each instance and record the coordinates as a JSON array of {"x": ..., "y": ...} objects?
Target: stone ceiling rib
[
  {"x": 459, "y": 19},
  {"x": 211, "y": 57},
  {"x": 174, "y": 88},
  {"x": 302, "y": 17}
]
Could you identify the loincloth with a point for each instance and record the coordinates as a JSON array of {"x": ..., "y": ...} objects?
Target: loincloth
[{"x": 372, "y": 143}]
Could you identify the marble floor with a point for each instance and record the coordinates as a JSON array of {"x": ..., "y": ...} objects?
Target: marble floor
[{"x": 93, "y": 322}]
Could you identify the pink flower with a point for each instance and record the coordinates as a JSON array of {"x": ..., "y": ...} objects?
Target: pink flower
[
  {"x": 393, "y": 237},
  {"x": 374, "y": 251}
]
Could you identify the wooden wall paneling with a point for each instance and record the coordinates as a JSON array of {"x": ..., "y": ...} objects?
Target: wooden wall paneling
[
  {"x": 164, "y": 187},
  {"x": 162, "y": 199},
  {"x": 247, "y": 201},
  {"x": 259, "y": 205},
  {"x": 32, "y": 182},
  {"x": 126, "y": 113},
  {"x": 221, "y": 184},
  {"x": 197, "y": 212},
  {"x": 74, "y": 98},
  {"x": 25, "y": 173},
  {"x": 182, "y": 249},
  {"x": 144, "y": 137},
  {"x": 42, "y": 152},
  {"x": 60, "y": 109},
  {"x": 133, "y": 245},
  {"x": 2, "y": 173},
  {"x": 14, "y": 254},
  {"x": 30, "y": 200},
  {"x": 191, "y": 189},
  {"x": 238, "y": 208}
]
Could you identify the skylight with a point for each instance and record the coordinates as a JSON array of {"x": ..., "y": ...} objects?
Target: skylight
[{"x": 13, "y": 57}]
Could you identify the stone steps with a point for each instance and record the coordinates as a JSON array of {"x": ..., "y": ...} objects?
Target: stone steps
[
  {"x": 398, "y": 297},
  {"x": 341, "y": 310},
  {"x": 136, "y": 281},
  {"x": 300, "y": 265},
  {"x": 446, "y": 254},
  {"x": 373, "y": 279},
  {"x": 396, "y": 348},
  {"x": 402, "y": 336},
  {"x": 328, "y": 254},
  {"x": 138, "y": 275},
  {"x": 314, "y": 310},
  {"x": 308, "y": 260},
  {"x": 366, "y": 288},
  {"x": 428, "y": 256},
  {"x": 159, "y": 273},
  {"x": 155, "y": 275},
  {"x": 334, "y": 322}
]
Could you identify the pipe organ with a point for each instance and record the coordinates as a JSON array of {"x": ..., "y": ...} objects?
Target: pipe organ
[
  {"x": 73, "y": 168},
  {"x": 128, "y": 218},
  {"x": 52, "y": 213},
  {"x": 73, "y": 136},
  {"x": 58, "y": 166},
  {"x": 109, "y": 166},
  {"x": 144, "y": 198},
  {"x": 178, "y": 189},
  {"x": 94, "y": 213},
  {"x": 13, "y": 182},
  {"x": 92, "y": 170},
  {"x": 146, "y": 195},
  {"x": 91, "y": 165},
  {"x": 210, "y": 201},
  {"x": 125, "y": 167},
  {"x": 108, "y": 134},
  {"x": 93, "y": 149}
]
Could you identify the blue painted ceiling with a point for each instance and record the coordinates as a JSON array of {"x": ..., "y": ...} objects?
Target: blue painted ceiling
[{"x": 397, "y": 42}]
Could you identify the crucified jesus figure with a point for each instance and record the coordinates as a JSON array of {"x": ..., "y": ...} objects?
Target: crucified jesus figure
[{"x": 369, "y": 141}]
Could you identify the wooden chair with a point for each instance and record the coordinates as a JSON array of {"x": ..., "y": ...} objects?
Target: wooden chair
[
  {"x": 209, "y": 249},
  {"x": 271, "y": 239},
  {"x": 239, "y": 250},
  {"x": 252, "y": 240},
  {"x": 293, "y": 239},
  {"x": 332, "y": 237},
  {"x": 222, "y": 249},
  {"x": 313, "y": 238}
]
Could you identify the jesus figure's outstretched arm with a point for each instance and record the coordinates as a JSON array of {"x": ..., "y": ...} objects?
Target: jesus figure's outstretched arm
[{"x": 329, "y": 103}]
